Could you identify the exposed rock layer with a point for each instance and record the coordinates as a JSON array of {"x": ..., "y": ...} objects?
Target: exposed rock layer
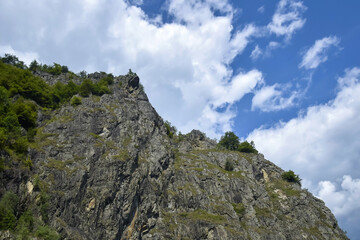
[{"x": 112, "y": 172}]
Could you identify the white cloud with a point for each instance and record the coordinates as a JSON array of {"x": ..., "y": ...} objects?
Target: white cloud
[
  {"x": 256, "y": 53},
  {"x": 271, "y": 98},
  {"x": 287, "y": 18},
  {"x": 344, "y": 200},
  {"x": 261, "y": 9},
  {"x": 322, "y": 146},
  {"x": 273, "y": 45},
  {"x": 187, "y": 62},
  {"x": 241, "y": 84},
  {"x": 196, "y": 12},
  {"x": 319, "y": 144},
  {"x": 317, "y": 53}
]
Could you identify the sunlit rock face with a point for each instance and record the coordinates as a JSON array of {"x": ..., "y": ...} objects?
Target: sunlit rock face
[{"x": 111, "y": 170}]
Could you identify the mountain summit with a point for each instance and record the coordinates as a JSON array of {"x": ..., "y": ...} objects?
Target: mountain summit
[{"x": 100, "y": 163}]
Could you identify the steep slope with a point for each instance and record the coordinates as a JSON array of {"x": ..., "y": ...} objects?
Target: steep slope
[{"x": 107, "y": 169}]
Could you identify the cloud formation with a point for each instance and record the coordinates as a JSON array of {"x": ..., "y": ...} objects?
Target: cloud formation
[
  {"x": 256, "y": 53},
  {"x": 321, "y": 146},
  {"x": 287, "y": 18},
  {"x": 320, "y": 139},
  {"x": 342, "y": 201},
  {"x": 271, "y": 98},
  {"x": 186, "y": 61},
  {"x": 317, "y": 53}
]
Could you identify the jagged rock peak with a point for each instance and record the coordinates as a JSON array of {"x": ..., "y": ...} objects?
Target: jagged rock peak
[{"x": 107, "y": 169}]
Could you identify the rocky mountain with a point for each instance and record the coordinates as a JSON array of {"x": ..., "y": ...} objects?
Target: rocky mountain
[{"x": 109, "y": 167}]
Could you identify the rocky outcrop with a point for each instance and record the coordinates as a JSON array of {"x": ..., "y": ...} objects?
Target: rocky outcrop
[{"x": 110, "y": 171}]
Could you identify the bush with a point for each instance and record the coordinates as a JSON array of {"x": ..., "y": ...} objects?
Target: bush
[
  {"x": 26, "y": 113},
  {"x": 83, "y": 74},
  {"x": 290, "y": 176},
  {"x": 109, "y": 79},
  {"x": 75, "y": 101},
  {"x": 25, "y": 225},
  {"x": 56, "y": 69},
  {"x": 34, "y": 65},
  {"x": 229, "y": 166},
  {"x": 8, "y": 205},
  {"x": 24, "y": 83},
  {"x": 13, "y": 60},
  {"x": 86, "y": 88},
  {"x": 229, "y": 141},
  {"x": 247, "y": 147},
  {"x": 46, "y": 233},
  {"x": 170, "y": 130}
]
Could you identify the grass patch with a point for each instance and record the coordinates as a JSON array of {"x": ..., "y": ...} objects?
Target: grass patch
[
  {"x": 111, "y": 108},
  {"x": 314, "y": 231},
  {"x": 169, "y": 221},
  {"x": 263, "y": 212},
  {"x": 120, "y": 157},
  {"x": 42, "y": 140},
  {"x": 198, "y": 169},
  {"x": 239, "y": 208},
  {"x": 188, "y": 187},
  {"x": 95, "y": 98},
  {"x": 94, "y": 135},
  {"x": 202, "y": 215},
  {"x": 285, "y": 187}
]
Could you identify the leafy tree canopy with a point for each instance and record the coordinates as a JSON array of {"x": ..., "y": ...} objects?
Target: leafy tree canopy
[
  {"x": 229, "y": 141},
  {"x": 290, "y": 176}
]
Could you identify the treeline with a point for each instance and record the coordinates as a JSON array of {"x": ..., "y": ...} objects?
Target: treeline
[
  {"x": 22, "y": 93},
  {"x": 231, "y": 142},
  {"x": 55, "y": 69}
]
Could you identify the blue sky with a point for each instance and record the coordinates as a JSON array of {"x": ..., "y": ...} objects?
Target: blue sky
[{"x": 283, "y": 73}]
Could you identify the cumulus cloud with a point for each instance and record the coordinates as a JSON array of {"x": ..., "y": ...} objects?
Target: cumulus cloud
[
  {"x": 344, "y": 200},
  {"x": 321, "y": 139},
  {"x": 321, "y": 146},
  {"x": 317, "y": 53},
  {"x": 256, "y": 53},
  {"x": 287, "y": 18},
  {"x": 186, "y": 61},
  {"x": 271, "y": 98}
]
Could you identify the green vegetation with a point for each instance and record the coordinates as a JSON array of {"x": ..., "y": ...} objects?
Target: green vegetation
[
  {"x": 239, "y": 208},
  {"x": 284, "y": 186},
  {"x": 231, "y": 142},
  {"x": 24, "y": 224},
  {"x": 75, "y": 101},
  {"x": 170, "y": 130},
  {"x": 13, "y": 60},
  {"x": 22, "y": 95},
  {"x": 8, "y": 205},
  {"x": 203, "y": 215},
  {"x": 263, "y": 212},
  {"x": 55, "y": 69},
  {"x": 290, "y": 176},
  {"x": 46, "y": 233},
  {"x": 229, "y": 165},
  {"x": 87, "y": 87},
  {"x": 247, "y": 147}
]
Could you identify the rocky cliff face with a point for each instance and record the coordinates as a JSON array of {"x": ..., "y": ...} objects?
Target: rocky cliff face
[{"x": 107, "y": 169}]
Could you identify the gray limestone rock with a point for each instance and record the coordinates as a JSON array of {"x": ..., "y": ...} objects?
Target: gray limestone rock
[{"x": 111, "y": 172}]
